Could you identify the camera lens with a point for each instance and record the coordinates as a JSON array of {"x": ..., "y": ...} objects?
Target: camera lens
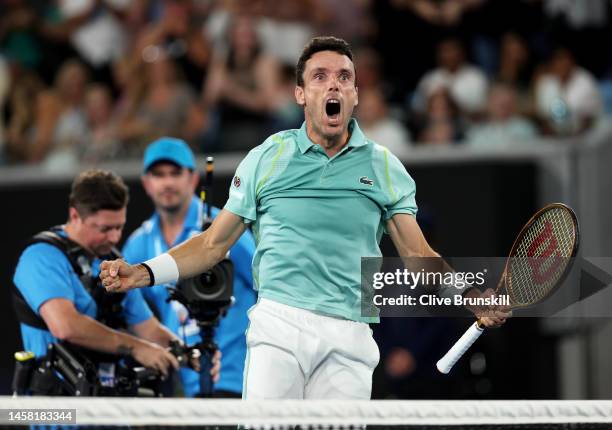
[
  {"x": 209, "y": 284},
  {"x": 213, "y": 285}
]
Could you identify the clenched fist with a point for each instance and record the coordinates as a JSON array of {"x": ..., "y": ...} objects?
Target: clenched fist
[{"x": 118, "y": 276}]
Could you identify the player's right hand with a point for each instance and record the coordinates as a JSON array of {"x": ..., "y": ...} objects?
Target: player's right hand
[
  {"x": 117, "y": 276},
  {"x": 155, "y": 357}
]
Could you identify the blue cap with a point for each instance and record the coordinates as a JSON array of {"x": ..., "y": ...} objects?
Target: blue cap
[{"x": 169, "y": 149}]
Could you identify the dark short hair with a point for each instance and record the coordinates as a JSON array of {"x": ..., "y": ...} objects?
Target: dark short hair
[
  {"x": 318, "y": 44},
  {"x": 94, "y": 190}
]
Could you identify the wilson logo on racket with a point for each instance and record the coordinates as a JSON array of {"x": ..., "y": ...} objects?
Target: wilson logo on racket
[{"x": 537, "y": 260}]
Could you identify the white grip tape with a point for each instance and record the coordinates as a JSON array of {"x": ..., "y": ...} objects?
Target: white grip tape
[
  {"x": 164, "y": 269},
  {"x": 446, "y": 363}
]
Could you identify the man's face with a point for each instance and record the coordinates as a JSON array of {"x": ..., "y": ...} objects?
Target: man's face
[
  {"x": 562, "y": 64},
  {"x": 169, "y": 186},
  {"x": 99, "y": 231},
  {"x": 450, "y": 55},
  {"x": 329, "y": 94}
]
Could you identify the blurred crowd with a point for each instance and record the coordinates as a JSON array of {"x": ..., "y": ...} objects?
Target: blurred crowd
[{"x": 85, "y": 81}]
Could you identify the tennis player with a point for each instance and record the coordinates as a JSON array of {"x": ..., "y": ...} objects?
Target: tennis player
[{"x": 318, "y": 199}]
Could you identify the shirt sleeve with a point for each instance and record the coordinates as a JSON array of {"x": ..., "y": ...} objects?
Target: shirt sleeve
[
  {"x": 44, "y": 273},
  {"x": 135, "y": 309},
  {"x": 401, "y": 188},
  {"x": 242, "y": 199}
]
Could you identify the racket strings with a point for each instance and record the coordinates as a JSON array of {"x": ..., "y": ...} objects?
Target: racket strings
[{"x": 541, "y": 256}]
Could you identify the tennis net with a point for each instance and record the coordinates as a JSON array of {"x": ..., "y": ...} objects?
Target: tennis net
[{"x": 307, "y": 414}]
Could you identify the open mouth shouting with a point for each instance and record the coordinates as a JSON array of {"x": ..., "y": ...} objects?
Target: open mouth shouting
[{"x": 333, "y": 107}]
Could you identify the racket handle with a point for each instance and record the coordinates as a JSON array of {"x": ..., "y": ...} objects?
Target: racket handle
[{"x": 446, "y": 363}]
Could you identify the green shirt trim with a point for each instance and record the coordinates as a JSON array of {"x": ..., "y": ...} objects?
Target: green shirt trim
[{"x": 280, "y": 150}]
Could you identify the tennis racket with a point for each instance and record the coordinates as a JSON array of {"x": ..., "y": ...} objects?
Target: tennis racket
[{"x": 539, "y": 260}]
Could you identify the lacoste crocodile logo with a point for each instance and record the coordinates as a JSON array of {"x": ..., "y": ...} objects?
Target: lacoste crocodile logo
[{"x": 366, "y": 181}]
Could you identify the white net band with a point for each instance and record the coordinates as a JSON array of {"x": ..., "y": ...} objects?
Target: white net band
[{"x": 184, "y": 412}]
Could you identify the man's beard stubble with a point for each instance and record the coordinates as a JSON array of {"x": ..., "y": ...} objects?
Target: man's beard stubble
[
  {"x": 102, "y": 250},
  {"x": 171, "y": 209}
]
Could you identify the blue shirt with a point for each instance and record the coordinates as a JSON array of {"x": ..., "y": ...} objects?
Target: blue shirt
[
  {"x": 44, "y": 273},
  {"x": 148, "y": 242}
]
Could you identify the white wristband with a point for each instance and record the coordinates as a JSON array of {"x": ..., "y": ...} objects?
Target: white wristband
[{"x": 163, "y": 268}]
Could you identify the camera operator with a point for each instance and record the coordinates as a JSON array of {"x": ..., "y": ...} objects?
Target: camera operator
[
  {"x": 170, "y": 179},
  {"x": 55, "y": 303}
]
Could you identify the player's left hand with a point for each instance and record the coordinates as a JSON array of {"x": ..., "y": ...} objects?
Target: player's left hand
[
  {"x": 495, "y": 319},
  {"x": 491, "y": 316}
]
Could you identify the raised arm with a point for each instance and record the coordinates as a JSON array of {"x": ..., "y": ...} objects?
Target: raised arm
[
  {"x": 408, "y": 237},
  {"x": 208, "y": 248},
  {"x": 190, "y": 258},
  {"x": 410, "y": 242}
]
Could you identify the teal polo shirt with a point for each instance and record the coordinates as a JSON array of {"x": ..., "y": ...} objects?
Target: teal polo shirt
[{"x": 314, "y": 217}]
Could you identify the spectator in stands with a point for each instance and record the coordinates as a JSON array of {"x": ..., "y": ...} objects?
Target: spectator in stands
[
  {"x": 18, "y": 39},
  {"x": 515, "y": 64},
  {"x": 443, "y": 121},
  {"x": 466, "y": 83},
  {"x": 445, "y": 13},
  {"x": 23, "y": 93},
  {"x": 377, "y": 123},
  {"x": 283, "y": 28},
  {"x": 286, "y": 113},
  {"x": 127, "y": 76},
  {"x": 288, "y": 25},
  {"x": 413, "y": 28},
  {"x": 60, "y": 118},
  {"x": 176, "y": 35},
  {"x": 96, "y": 31},
  {"x": 369, "y": 64},
  {"x": 503, "y": 127},
  {"x": 100, "y": 141},
  {"x": 567, "y": 98},
  {"x": 350, "y": 20},
  {"x": 31, "y": 37},
  {"x": 584, "y": 25},
  {"x": 165, "y": 105},
  {"x": 243, "y": 85}
]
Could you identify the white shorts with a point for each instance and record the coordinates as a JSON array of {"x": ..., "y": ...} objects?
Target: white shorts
[{"x": 293, "y": 353}]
